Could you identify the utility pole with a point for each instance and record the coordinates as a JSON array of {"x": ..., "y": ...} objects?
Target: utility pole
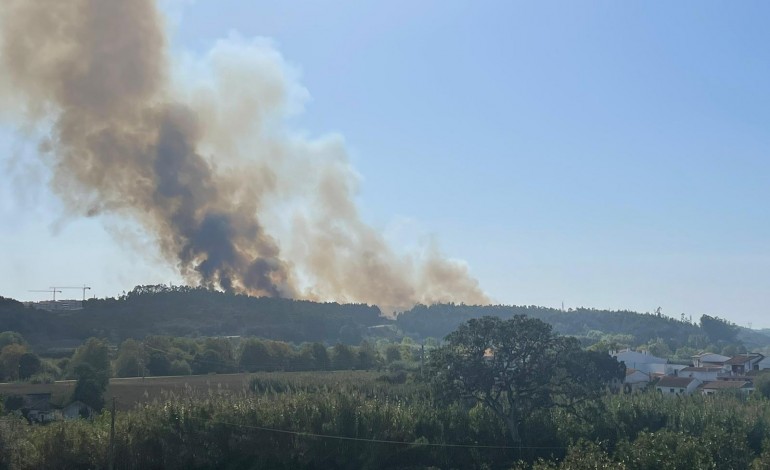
[
  {"x": 422, "y": 358},
  {"x": 112, "y": 435}
]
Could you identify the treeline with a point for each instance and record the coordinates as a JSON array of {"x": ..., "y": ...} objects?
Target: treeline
[
  {"x": 182, "y": 311},
  {"x": 604, "y": 329},
  {"x": 170, "y": 356},
  {"x": 186, "y": 311}
]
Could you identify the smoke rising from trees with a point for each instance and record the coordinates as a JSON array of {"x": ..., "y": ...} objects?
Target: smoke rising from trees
[{"x": 195, "y": 150}]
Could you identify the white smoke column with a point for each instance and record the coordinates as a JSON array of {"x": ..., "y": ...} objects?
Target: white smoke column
[{"x": 199, "y": 154}]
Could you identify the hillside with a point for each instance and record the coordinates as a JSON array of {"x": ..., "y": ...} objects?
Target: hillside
[
  {"x": 589, "y": 324},
  {"x": 184, "y": 311}
]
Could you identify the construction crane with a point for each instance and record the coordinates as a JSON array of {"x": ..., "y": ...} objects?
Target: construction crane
[
  {"x": 52, "y": 290},
  {"x": 84, "y": 287}
]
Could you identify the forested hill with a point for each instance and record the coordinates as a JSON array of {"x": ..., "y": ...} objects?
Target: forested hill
[
  {"x": 183, "y": 311},
  {"x": 629, "y": 328}
]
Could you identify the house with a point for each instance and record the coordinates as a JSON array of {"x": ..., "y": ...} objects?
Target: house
[
  {"x": 76, "y": 410},
  {"x": 641, "y": 361},
  {"x": 670, "y": 385},
  {"x": 635, "y": 380},
  {"x": 709, "y": 359},
  {"x": 764, "y": 363},
  {"x": 743, "y": 363},
  {"x": 711, "y": 388},
  {"x": 37, "y": 408},
  {"x": 704, "y": 374}
]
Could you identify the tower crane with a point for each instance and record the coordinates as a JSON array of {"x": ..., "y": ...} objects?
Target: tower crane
[
  {"x": 52, "y": 290},
  {"x": 83, "y": 287}
]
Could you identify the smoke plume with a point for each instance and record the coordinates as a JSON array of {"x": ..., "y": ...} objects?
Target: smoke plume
[{"x": 195, "y": 150}]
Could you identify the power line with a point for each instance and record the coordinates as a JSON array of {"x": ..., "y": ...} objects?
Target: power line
[{"x": 373, "y": 441}]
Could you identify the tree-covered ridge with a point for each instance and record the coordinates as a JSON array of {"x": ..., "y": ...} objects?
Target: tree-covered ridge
[
  {"x": 623, "y": 328},
  {"x": 186, "y": 311}
]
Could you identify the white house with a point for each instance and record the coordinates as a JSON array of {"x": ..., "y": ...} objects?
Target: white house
[
  {"x": 704, "y": 374},
  {"x": 743, "y": 363},
  {"x": 635, "y": 380},
  {"x": 641, "y": 361},
  {"x": 709, "y": 359},
  {"x": 764, "y": 363},
  {"x": 670, "y": 385}
]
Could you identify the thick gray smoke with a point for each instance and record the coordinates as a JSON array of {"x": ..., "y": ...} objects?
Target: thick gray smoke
[{"x": 196, "y": 152}]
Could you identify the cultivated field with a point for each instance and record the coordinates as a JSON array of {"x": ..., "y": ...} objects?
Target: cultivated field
[{"x": 133, "y": 391}]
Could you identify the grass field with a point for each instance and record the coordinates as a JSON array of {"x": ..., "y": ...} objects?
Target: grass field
[{"x": 133, "y": 391}]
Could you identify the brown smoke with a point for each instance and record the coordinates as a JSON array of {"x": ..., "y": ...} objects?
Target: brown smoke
[{"x": 204, "y": 163}]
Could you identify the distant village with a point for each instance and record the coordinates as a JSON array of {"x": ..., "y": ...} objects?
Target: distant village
[{"x": 708, "y": 373}]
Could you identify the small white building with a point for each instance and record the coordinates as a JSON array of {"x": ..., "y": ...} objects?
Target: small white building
[
  {"x": 640, "y": 360},
  {"x": 704, "y": 374},
  {"x": 635, "y": 380},
  {"x": 672, "y": 386},
  {"x": 709, "y": 359}
]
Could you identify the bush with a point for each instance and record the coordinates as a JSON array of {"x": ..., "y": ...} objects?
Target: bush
[{"x": 180, "y": 367}]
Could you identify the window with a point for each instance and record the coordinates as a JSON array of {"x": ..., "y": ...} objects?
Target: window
[{"x": 672, "y": 390}]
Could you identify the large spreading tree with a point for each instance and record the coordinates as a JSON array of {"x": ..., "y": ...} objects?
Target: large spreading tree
[{"x": 518, "y": 366}]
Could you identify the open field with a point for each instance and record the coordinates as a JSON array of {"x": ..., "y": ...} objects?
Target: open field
[{"x": 137, "y": 390}]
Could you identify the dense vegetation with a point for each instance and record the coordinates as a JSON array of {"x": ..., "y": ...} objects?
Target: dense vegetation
[
  {"x": 303, "y": 420},
  {"x": 662, "y": 335},
  {"x": 197, "y": 312}
]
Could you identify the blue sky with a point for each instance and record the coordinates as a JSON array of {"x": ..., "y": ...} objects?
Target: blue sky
[{"x": 600, "y": 154}]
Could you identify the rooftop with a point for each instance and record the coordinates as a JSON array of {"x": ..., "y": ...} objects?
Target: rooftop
[
  {"x": 672, "y": 381},
  {"x": 726, "y": 384}
]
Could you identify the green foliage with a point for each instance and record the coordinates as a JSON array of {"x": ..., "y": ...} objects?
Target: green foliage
[
  {"x": 131, "y": 359},
  {"x": 94, "y": 353},
  {"x": 90, "y": 386},
  {"x": 29, "y": 365},
  {"x": 718, "y": 329},
  {"x": 10, "y": 356},
  {"x": 518, "y": 367},
  {"x": 255, "y": 356},
  {"x": 11, "y": 337},
  {"x": 343, "y": 357},
  {"x": 180, "y": 367},
  {"x": 392, "y": 353}
]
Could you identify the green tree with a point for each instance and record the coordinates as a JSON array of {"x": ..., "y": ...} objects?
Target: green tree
[
  {"x": 255, "y": 355},
  {"x": 29, "y": 365},
  {"x": 90, "y": 386},
  {"x": 130, "y": 360},
  {"x": 718, "y": 329},
  {"x": 321, "y": 357},
  {"x": 516, "y": 367},
  {"x": 10, "y": 356},
  {"x": 158, "y": 364},
  {"x": 392, "y": 353},
  {"x": 367, "y": 357},
  {"x": 11, "y": 337},
  {"x": 343, "y": 357},
  {"x": 94, "y": 352}
]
